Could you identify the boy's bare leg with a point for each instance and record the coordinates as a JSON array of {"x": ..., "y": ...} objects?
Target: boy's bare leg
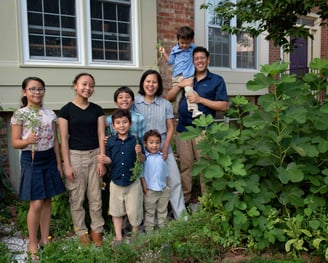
[{"x": 118, "y": 222}]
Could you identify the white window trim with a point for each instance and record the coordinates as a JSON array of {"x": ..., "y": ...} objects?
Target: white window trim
[
  {"x": 235, "y": 78},
  {"x": 134, "y": 40},
  {"x": 201, "y": 39},
  {"x": 83, "y": 40}
]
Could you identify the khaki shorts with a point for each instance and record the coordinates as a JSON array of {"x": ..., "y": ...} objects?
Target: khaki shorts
[{"x": 127, "y": 200}]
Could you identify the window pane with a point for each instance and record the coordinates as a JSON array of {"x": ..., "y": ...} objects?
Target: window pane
[
  {"x": 219, "y": 47},
  {"x": 240, "y": 53},
  {"x": 111, "y": 30},
  {"x": 246, "y": 47},
  {"x": 52, "y": 29},
  {"x": 219, "y": 42}
]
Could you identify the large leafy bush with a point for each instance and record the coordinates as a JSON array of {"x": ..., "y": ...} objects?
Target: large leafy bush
[{"x": 266, "y": 174}]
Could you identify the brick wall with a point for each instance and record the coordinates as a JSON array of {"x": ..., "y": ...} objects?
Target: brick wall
[
  {"x": 171, "y": 14},
  {"x": 274, "y": 52},
  {"x": 4, "y": 144},
  {"x": 324, "y": 41}
]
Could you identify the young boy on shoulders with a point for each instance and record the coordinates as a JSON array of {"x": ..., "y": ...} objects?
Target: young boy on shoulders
[
  {"x": 125, "y": 194},
  {"x": 181, "y": 59}
]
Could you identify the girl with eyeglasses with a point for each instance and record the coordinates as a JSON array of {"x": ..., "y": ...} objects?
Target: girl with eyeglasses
[{"x": 34, "y": 132}]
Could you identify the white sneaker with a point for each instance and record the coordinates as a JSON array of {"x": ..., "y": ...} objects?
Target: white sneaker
[{"x": 196, "y": 113}]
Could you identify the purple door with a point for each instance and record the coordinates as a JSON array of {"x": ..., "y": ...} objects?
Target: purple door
[{"x": 298, "y": 58}]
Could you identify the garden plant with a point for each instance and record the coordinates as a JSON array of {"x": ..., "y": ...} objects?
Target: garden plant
[
  {"x": 267, "y": 173},
  {"x": 266, "y": 176}
]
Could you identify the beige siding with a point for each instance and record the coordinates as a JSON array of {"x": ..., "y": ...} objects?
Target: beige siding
[{"x": 59, "y": 78}]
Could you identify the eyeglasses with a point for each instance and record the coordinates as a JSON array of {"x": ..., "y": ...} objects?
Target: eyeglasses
[{"x": 35, "y": 90}]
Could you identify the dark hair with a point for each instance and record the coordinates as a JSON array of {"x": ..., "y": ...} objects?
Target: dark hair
[
  {"x": 25, "y": 83},
  {"x": 186, "y": 33},
  {"x": 123, "y": 89},
  {"x": 201, "y": 49},
  {"x": 77, "y": 77},
  {"x": 152, "y": 133},
  {"x": 120, "y": 113},
  {"x": 159, "y": 79}
]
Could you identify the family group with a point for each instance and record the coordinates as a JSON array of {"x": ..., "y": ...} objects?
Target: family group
[{"x": 140, "y": 133}]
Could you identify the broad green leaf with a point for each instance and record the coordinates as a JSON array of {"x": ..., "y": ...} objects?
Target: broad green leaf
[
  {"x": 253, "y": 212},
  {"x": 316, "y": 242},
  {"x": 310, "y": 150},
  {"x": 252, "y": 184},
  {"x": 295, "y": 172},
  {"x": 296, "y": 114},
  {"x": 298, "y": 149},
  {"x": 225, "y": 161},
  {"x": 239, "y": 218},
  {"x": 238, "y": 168},
  {"x": 219, "y": 184},
  {"x": 324, "y": 108},
  {"x": 260, "y": 82},
  {"x": 314, "y": 224},
  {"x": 214, "y": 171},
  {"x": 308, "y": 211},
  {"x": 232, "y": 202}
]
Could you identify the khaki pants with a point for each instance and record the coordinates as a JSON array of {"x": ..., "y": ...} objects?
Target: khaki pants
[
  {"x": 86, "y": 182},
  {"x": 188, "y": 90},
  {"x": 188, "y": 153},
  {"x": 155, "y": 203}
]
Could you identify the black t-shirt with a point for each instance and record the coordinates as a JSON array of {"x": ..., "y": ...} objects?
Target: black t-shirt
[{"x": 82, "y": 125}]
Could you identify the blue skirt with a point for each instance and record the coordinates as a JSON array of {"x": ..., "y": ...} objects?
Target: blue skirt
[{"x": 40, "y": 179}]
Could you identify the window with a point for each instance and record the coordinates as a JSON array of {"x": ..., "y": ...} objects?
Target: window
[
  {"x": 52, "y": 29},
  {"x": 111, "y": 30},
  {"x": 55, "y": 31},
  {"x": 230, "y": 51}
]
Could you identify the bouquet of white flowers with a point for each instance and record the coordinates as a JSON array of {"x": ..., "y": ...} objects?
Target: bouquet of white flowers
[{"x": 31, "y": 119}]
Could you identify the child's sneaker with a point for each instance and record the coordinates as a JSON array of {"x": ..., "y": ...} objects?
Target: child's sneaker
[{"x": 196, "y": 113}]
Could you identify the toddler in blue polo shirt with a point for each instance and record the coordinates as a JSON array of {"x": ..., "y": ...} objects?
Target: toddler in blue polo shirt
[{"x": 154, "y": 182}]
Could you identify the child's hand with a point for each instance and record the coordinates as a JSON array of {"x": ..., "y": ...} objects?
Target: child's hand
[
  {"x": 103, "y": 159},
  {"x": 106, "y": 139},
  {"x": 32, "y": 138},
  {"x": 138, "y": 148},
  {"x": 161, "y": 50}
]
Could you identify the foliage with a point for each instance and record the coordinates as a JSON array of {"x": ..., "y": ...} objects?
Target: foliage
[
  {"x": 137, "y": 168},
  {"x": 194, "y": 240},
  {"x": 61, "y": 222},
  {"x": 5, "y": 256},
  {"x": 267, "y": 175},
  {"x": 276, "y": 18}
]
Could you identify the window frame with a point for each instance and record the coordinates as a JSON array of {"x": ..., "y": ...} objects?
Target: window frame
[
  {"x": 232, "y": 45},
  {"x": 134, "y": 39},
  {"x": 83, "y": 36}
]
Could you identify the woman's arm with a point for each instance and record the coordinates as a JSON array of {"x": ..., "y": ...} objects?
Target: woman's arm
[
  {"x": 64, "y": 136},
  {"x": 56, "y": 148},
  {"x": 169, "y": 136},
  {"x": 101, "y": 169}
]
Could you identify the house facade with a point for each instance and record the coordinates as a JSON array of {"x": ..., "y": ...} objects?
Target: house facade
[{"x": 115, "y": 41}]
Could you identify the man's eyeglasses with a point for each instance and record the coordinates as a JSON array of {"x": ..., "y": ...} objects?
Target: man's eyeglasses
[{"x": 37, "y": 90}]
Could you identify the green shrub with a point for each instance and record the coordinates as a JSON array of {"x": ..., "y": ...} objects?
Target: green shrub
[{"x": 266, "y": 175}]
